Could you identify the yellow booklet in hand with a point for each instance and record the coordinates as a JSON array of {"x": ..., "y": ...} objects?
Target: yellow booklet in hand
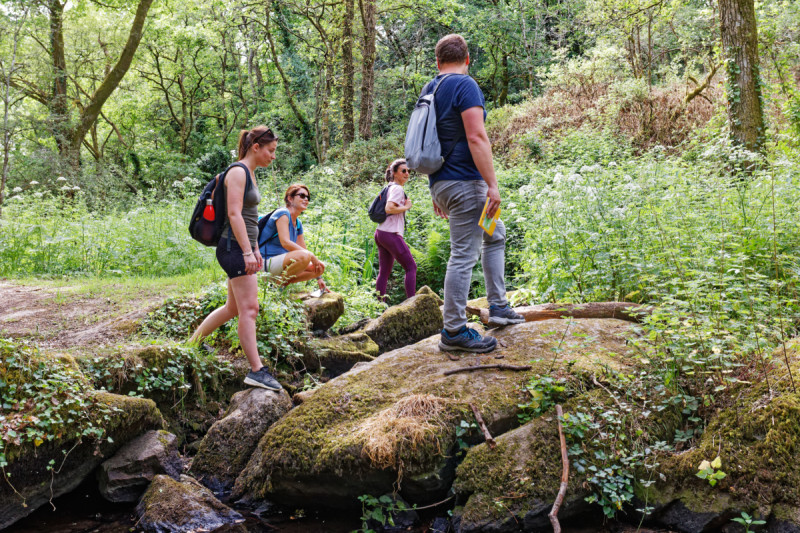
[{"x": 488, "y": 224}]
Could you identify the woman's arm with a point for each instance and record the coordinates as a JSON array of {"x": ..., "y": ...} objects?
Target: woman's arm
[
  {"x": 394, "y": 209},
  {"x": 235, "y": 183}
]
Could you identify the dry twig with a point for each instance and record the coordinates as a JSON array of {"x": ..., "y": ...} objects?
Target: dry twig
[
  {"x": 484, "y": 367},
  {"x": 481, "y": 424},
  {"x": 562, "y": 491}
]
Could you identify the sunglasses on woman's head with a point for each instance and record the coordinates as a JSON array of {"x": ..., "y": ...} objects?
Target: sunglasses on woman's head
[
  {"x": 303, "y": 196},
  {"x": 268, "y": 131}
]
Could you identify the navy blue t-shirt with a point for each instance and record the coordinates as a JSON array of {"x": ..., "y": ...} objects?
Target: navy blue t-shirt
[{"x": 458, "y": 93}]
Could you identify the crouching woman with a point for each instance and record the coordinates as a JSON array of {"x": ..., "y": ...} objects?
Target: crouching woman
[{"x": 283, "y": 246}]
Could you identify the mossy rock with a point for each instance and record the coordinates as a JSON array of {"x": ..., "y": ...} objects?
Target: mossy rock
[
  {"x": 360, "y": 433},
  {"x": 227, "y": 446},
  {"x": 757, "y": 438},
  {"x": 324, "y": 311},
  {"x": 28, "y": 468},
  {"x": 415, "y": 319},
  {"x": 515, "y": 483},
  {"x": 427, "y": 290},
  {"x": 171, "y": 506},
  {"x": 338, "y": 354}
]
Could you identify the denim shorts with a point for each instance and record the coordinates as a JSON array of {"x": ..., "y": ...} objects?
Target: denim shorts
[{"x": 231, "y": 261}]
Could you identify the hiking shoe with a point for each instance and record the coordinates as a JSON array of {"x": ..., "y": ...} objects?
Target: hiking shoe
[
  {"x": 503, "y": 316},
  {"x": 262, "y": 379},
  {"x": 466, "y": 339}
]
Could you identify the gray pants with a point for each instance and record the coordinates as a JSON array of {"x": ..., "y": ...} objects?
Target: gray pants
[{"x": 463, "y": 202}]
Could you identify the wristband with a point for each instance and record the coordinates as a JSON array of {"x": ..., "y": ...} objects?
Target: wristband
[{"x": 248, "y": 253}]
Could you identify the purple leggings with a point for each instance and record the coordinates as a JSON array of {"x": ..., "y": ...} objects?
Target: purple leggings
[{"x": 391, "y": 246}]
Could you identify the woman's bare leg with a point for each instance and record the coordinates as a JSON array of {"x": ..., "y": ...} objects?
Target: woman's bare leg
[
  {"x": 217, "y": 317},
  {"x": 245, "y": 291}
]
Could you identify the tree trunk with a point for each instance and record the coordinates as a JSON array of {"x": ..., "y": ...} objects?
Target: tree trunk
[
  {"x": 368, "y": 19},
  {"x": 620, "y": 310},
  {"x": 348, "y": 71},
  {"x": 740, "y": 50},
  {"x": 58, "y": 103},
  {"x": 8, "y": 66}
]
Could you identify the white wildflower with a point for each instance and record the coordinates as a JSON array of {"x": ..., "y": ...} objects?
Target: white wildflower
[
  {"x": 66, "y": 188},
  {"x": 612, "y": 163},
  {"x": 17, "y": 189},
  {"x": 34, "y": 182},
  {"x": 61, "y": 178},
  {"x": 328, "y": 171},
  {"x": 38, "y": 194},
  {"x": 76, "y": 188}
]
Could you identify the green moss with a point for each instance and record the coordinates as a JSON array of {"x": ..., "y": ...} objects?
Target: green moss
[
  {"x": 415, "y": 319},
  {"x": 757, "y": 438}
]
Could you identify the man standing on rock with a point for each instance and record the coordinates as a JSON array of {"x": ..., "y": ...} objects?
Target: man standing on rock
[{"x": 459, "y": 190}]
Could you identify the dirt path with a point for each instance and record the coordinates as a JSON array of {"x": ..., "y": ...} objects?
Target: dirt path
[{"x": 69, "y": 317}]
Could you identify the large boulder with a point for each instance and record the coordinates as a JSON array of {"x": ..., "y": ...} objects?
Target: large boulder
[
  {"x": 393, "y": 422},
  {"x": 415, "y": 319},
  {"x": 124, "y": 477},
  {"x": 171, "y": 506},
  {"x": 227, "y": 446},
  {"x": 34, "y": 484}
]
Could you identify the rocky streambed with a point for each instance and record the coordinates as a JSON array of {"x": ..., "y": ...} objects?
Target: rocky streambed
[{"x": 399, "y": 419}]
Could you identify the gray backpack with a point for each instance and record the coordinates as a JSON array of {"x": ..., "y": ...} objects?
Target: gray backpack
[{"x": 423, "y": 151}]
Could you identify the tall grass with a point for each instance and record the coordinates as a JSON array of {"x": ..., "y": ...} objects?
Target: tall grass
[{"x": 54, "y": 236}]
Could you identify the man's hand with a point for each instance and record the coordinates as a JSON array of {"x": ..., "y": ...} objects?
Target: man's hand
[
  {"x": 438, "y": 210},
  {"x": 493, "y": 194}
]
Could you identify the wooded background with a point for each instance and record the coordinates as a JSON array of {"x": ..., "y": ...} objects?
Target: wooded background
[{"x": 124, "y": 96}]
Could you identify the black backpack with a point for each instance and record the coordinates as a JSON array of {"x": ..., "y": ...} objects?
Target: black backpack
[
  {"x": 377, "y": 209},
  {"x": 203, "y": 230}
]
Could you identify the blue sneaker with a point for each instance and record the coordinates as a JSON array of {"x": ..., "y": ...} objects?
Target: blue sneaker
[
  {"x": 468, "y": 340},
  {"x": 262, "y": 379},
  {"x": 503, "y": 316}
]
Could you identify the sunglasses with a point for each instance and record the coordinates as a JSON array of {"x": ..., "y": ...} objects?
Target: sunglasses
[
  {"x": 267, "y": 132},
  {"x": 404, "y": 171},
  {"x": 303, "y": 196}
]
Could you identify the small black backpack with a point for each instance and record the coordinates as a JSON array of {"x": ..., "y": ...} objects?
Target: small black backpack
[
  {"x": 208, "y": 231},
  {"x": 377, "y": 209}
]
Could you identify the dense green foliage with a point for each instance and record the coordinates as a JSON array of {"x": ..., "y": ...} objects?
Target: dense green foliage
[{"x": 617, "y": 177}]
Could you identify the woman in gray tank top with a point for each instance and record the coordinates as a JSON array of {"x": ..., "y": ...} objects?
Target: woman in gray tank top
[{"x": 238, "y": 254}]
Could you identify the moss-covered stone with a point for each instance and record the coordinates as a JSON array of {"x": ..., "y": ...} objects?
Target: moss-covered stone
[
  {"x": 324, "y": 311},
  {"x": 338, "y": 354},
  {"x": 320, "y": 455},
  {"x": 28, "y": 469},
  {"x": 757, "y": 438},
  {"x": 415, "y": 319},
  {"x": 227, "y": 446},
  {"x": 171, "y": 506},
  {"x": 427, "y": 290}
]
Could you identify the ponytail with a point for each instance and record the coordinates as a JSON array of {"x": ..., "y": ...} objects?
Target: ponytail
[{"x": 259, "y": 135}]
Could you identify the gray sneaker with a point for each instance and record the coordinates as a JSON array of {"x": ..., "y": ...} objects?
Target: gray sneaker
[
  {"x": 468, "y": 340},
  {"x": 262, "y": 379},
  {"x": 503, "y": 316}
]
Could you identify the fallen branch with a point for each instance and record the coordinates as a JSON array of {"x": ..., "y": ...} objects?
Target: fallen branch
[
  {"x": 481, "y": 424},
  {"x": 594, "y": 380},
  {"x": 621, "y": 310},
  {"x": 484, "y": 367},
  {"x": 562, "y": 490}
]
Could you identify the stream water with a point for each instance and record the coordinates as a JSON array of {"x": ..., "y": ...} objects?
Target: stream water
[{"x": 85, "y": 511}]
